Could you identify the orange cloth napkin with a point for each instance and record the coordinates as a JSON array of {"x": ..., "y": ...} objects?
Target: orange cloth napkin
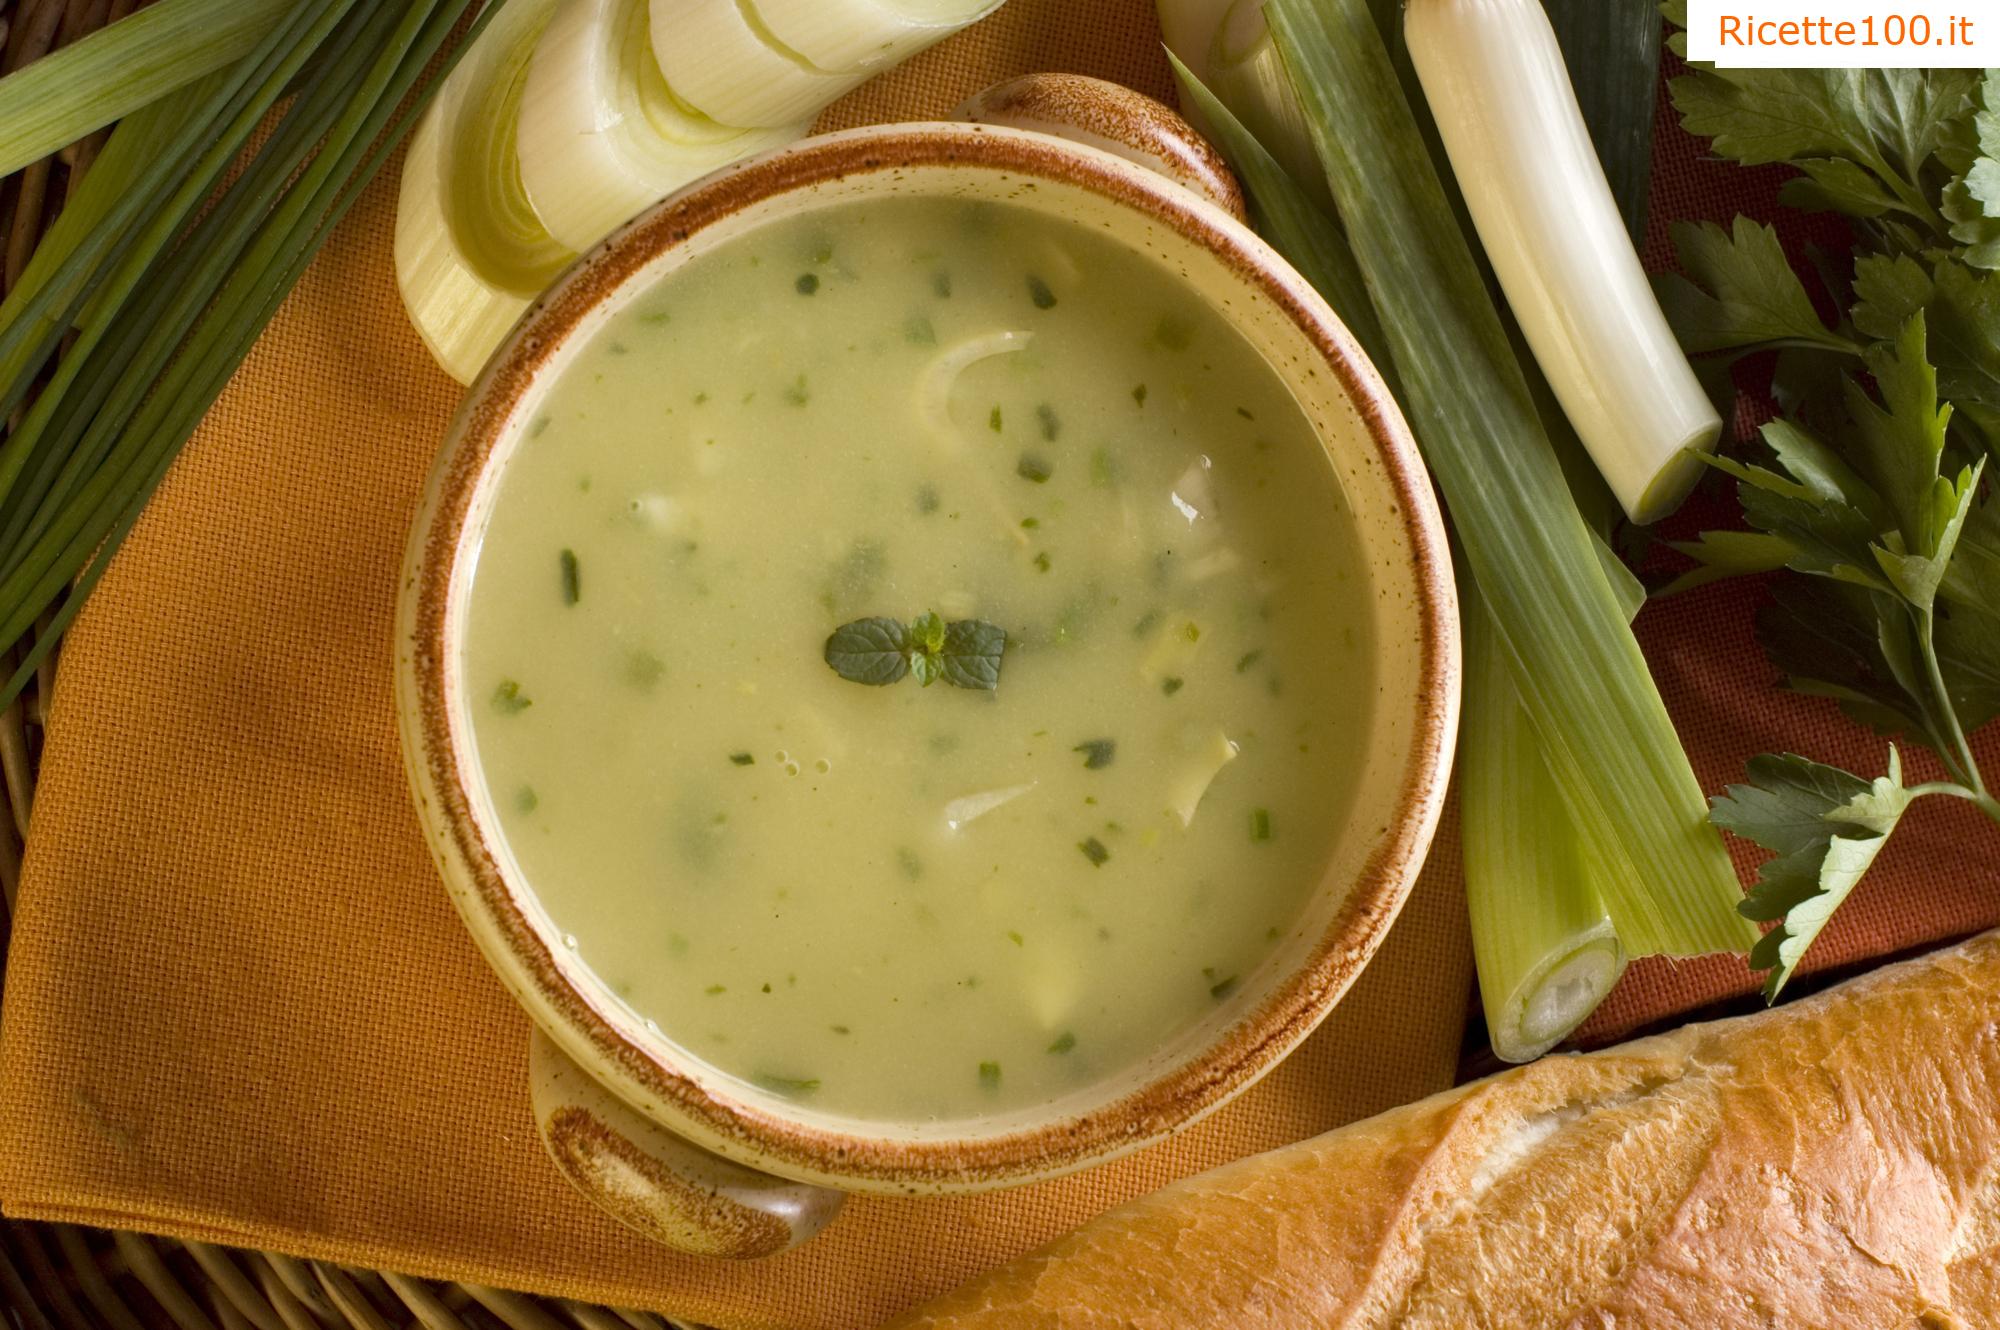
[{"x": 239, "y": 1006}]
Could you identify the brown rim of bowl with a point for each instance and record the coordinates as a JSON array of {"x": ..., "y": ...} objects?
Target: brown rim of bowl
[{"x": 1294, "y": 1006}]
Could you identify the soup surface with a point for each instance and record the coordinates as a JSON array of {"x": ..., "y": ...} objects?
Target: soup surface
[{"x": 905, "y": 902}]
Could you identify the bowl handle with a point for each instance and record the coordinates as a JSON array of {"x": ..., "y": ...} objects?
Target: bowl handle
[
  {"x": 1116, "y": 119},
  {"x": 651, "y": 1180}
]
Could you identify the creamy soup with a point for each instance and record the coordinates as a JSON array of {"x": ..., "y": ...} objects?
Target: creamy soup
[{"x": 907, "y": 901}]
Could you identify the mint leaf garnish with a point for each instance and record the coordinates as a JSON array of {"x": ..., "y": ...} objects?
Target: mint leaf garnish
[
  {"x": 879, "y": 651},
  {"x": 926, "y": 648},
  {"x": 972, "y": 651},
  {"x": 870, "y": 651}
]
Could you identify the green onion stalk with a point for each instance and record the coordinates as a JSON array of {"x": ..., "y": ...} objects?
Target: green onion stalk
[{"x": 164, "y": 283}]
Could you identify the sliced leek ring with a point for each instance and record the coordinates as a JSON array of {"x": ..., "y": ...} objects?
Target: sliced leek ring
[
  {"x": 602, "y": 135},
  {"x": 865, "y": 34},
  {"x": 718, "y": 57},
  {"x": 470, "y": 251}
]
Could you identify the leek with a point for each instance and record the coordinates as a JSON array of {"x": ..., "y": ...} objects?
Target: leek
[
  {"x": 1500, "y": 95},
  {"x": 1545, "y": 946},
  {"x": 1289, "y": 217},
  {"x": 1613, "y": 49},
  {"x": 470, "y": 250},
  {"x": 865, "y": 34},
  {"x": 720, "y": 58},
  {"x": 1610, "y": 745},
  {"x": 121, "y": 67},
  {"x": 601, "y": 134},
  {"x": 1226, "y": 46}
]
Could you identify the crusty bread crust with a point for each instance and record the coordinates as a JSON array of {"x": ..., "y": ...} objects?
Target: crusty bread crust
[{"x": 1829, "y": 1165}]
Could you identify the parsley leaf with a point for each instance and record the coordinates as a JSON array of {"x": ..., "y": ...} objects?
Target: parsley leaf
[
  {"x": 1825, "y": 827},
  {"x": 1972, "y": 582},
  {"x": 1886, "y": 125},
  {"x": 1968, "y": 648},
  {"x": 1740, "y": 291},
  {"x": 1903, "y": 439},
  {"x": 1961, "y": 310},
  {"x": 1873, "y": 491},
  {"x": 1971, "y": 201},
  {"x": 1837, "y": 641}
]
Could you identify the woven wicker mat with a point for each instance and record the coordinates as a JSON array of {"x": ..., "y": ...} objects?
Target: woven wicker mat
[{"x": 212, "y": 753}]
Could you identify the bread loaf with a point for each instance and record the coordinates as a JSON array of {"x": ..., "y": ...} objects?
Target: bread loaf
[{"x": 1828, "y": 1164}]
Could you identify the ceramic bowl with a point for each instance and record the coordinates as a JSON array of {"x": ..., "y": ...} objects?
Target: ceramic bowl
[{"x": 710, "y": 1164}]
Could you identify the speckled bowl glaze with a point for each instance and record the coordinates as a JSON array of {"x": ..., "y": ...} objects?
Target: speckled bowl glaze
[{"x": 709, "y": 1163}]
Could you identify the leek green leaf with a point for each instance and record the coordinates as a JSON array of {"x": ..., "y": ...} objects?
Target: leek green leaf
[
  {"x": 1286, "y": 215},
  {"x": 1618, "y": 762}
]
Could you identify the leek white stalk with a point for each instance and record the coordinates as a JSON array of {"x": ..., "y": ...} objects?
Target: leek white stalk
[
  {"x": 720, "y": 58},
  {"x": 602, "y": 136},
  {"x": 1501, "y": 96},
  {"x": 1227, "y": 45},
  {"x": 847, "y": 35},
  {"x": 470, "y": 250}
]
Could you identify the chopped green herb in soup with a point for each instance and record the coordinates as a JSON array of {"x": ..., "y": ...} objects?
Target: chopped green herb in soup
[{"x": 910, "y": 708}]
